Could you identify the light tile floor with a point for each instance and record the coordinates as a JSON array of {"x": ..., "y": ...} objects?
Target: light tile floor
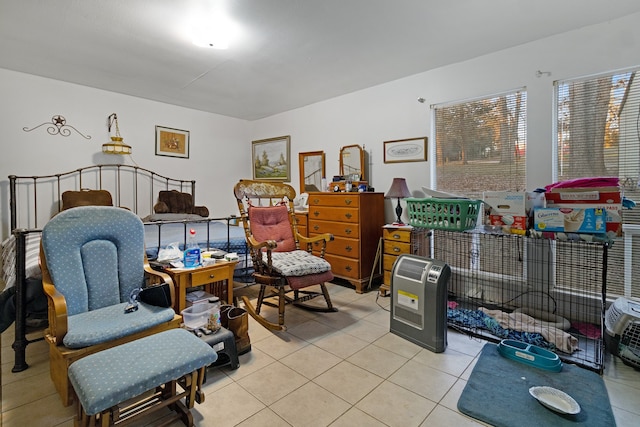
[{"x": 337, "y": 369}]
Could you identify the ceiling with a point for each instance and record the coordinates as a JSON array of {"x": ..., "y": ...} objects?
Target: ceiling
[{"x": 288, "y": 53}]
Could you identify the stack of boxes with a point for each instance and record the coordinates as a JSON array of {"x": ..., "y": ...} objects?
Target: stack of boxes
[
  {"x": 512, "y": 210},
  {"x": 595, "y": 210}
]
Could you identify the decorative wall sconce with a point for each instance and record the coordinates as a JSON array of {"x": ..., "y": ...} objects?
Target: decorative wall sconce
[
  {"x": 116, "y": 146},
  {"x": 57, "y": 126}
]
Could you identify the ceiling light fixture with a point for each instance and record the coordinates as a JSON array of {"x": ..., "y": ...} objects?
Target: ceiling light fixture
[
  {"x": 214, "y": 33},
  {"x": 116, "y": 146}
]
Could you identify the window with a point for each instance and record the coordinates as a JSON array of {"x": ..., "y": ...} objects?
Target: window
[
  {"x": 481, "y": 145},
  {"x": 598, "y": 125}
]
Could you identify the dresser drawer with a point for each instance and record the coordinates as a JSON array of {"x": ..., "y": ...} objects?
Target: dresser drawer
[
  {"x": 301, "y": 219},
  {"x": 338, "y": 229},
  {"x": 387, "y": 261},
  {"x": 334, "y": 199},
  {"x": 328, "y": 213},
  {"x": 346, "y": 267},
  {"x": 387, "y": 277},
  {"x": 209, "y": 276},
  {"x": 396, "y": 248},
  {"x": 396, "y": 235},
  {"x": 349, "y": 248}
]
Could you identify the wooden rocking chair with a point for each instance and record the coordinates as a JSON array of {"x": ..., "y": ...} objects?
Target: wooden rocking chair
[{"x": 284, "y": 262}]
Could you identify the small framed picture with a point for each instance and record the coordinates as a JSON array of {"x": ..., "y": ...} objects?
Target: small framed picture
[
  {"x": 271, "y": 159},
  {"x": 405, "y": 150},
  {"x": 172, "y": 142}
]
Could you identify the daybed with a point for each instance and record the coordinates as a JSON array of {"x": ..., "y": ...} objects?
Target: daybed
[{"x": 35, "y": 199}]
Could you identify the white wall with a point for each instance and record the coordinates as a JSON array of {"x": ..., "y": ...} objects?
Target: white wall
[
  {"x": 391, "y": 111},
  {"x": 220, "y": 146}
]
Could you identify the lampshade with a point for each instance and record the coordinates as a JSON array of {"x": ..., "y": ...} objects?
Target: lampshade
[
  {"x": 116, "y": 146},
  {"x": 398, "y": 189}
]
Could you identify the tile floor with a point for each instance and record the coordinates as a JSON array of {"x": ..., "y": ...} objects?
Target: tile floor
[{"x": 337, "y": 369}]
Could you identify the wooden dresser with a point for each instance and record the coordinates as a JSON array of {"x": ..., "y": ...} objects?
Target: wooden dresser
[
  {"x": 301, "y": 218},
  {"x": 398, "y": 240},
  {"x": 355, "y": 220}
]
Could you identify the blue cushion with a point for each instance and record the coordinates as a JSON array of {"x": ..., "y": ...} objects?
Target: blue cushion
[
  {"x": 110, "y": 323},
  {"x": 112, "y": 376},
  {"x": 95, "y": 255}
]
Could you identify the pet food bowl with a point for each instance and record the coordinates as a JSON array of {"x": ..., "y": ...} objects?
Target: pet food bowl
[
  {"x": 556, "y": 400},
  {"x": 530, "y": 354}
]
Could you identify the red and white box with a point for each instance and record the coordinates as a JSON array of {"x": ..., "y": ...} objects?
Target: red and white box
[
  {"x": 608, "y": 198},
  {"x": 511, "y": 208}
]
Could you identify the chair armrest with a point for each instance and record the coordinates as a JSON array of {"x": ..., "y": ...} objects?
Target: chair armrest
[
  {"x": 318, "y": 240},
  {"x": 57, "y": 306},
  {"x": 155, "y": 276},
  {"x": 268, "y": 244}
]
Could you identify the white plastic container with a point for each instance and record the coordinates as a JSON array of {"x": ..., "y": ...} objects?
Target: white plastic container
[{"x": 197, "y": 315}]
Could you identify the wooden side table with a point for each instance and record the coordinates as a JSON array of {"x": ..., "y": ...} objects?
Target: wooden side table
[
  {"x": 398, "y": 240},
  {"x": 184, "y": 278}
]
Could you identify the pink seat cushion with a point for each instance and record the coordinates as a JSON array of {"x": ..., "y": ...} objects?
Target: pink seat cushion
[{"x": 272, "y": 223}]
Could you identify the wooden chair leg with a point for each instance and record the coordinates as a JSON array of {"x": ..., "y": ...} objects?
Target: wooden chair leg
[
  {"x": 281, "y": 303},
  {"x": 261, "y": 320}
]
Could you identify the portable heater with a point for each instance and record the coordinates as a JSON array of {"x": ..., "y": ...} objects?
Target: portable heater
[
  {"x": 622, "y": 330},
  {"x": 419, "y": 301}
]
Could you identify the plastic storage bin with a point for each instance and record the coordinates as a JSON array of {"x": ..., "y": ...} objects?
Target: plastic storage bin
[
  {"x": 443, "y": 214},
  {"x": 197, "y": 315}
]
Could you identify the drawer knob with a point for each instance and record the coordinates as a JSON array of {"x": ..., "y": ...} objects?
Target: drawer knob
[
  {"x": 348, "y": 248},
  {"x": 396, "y": 249},
  {"x": 348, "y": 215},
  {"x": 348, "y": 201},
  {"x": 316, "y": 201},
  {"x": 211, "y": 276},
  {"x": 316, "y": 227},
  {"x": 316, "y": 213},
  {"x": 348, "y": 268},
  {"x": 396, "y": 236},
  {"x": 347, "y": 230}
]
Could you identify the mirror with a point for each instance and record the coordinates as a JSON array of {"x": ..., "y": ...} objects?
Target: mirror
[
  {"x": 352, "y": 162},
  {"x": 311, "y": 171}
]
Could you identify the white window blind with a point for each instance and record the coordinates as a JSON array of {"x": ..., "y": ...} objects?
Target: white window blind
[
  {"x": 598, "y": 123},
  {"x": 481, "y": 144}
]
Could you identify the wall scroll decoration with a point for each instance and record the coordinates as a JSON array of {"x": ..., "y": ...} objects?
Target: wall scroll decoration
[{"x": 58, "y": 126}]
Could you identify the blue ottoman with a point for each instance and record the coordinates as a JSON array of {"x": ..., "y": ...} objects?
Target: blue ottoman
[{"x": 157, "y": 362}]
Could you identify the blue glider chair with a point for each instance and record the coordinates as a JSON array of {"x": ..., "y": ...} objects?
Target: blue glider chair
[{"x": 92, "y": 258}]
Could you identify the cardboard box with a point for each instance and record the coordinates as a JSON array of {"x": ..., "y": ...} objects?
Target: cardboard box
[
  {"x": 608, "y": 198},
  {"x": 511, "y": 208},
  {"x": 570, "y": 220}
]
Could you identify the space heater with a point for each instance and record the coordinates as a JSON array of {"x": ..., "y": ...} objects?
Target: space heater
[
  {"x": 419, "y": 301},
  {"x": 622, "y": 330}
]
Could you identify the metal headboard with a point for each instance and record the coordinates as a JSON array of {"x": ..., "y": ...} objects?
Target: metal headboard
[{"x": 142, "y": 185}]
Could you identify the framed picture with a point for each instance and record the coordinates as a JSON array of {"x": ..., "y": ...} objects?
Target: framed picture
[
  {"x": 172, "y": 142},
  {"x": 405, "y": 150},
  {"x": 271, "y": 159}
]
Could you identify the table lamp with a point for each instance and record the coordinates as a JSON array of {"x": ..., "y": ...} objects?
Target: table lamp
[{"x": 398, "y": 190}]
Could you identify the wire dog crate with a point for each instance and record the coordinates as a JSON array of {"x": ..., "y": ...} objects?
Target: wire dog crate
[{"x": 549, "y": 293}]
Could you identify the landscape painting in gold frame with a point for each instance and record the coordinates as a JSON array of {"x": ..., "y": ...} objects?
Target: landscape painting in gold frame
[{"x": 272, "y": 159}]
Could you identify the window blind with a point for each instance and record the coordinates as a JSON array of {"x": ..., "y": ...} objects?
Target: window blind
[
  {"x": 481, "y": 144},
  {"x": 597, "y": 134}
]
